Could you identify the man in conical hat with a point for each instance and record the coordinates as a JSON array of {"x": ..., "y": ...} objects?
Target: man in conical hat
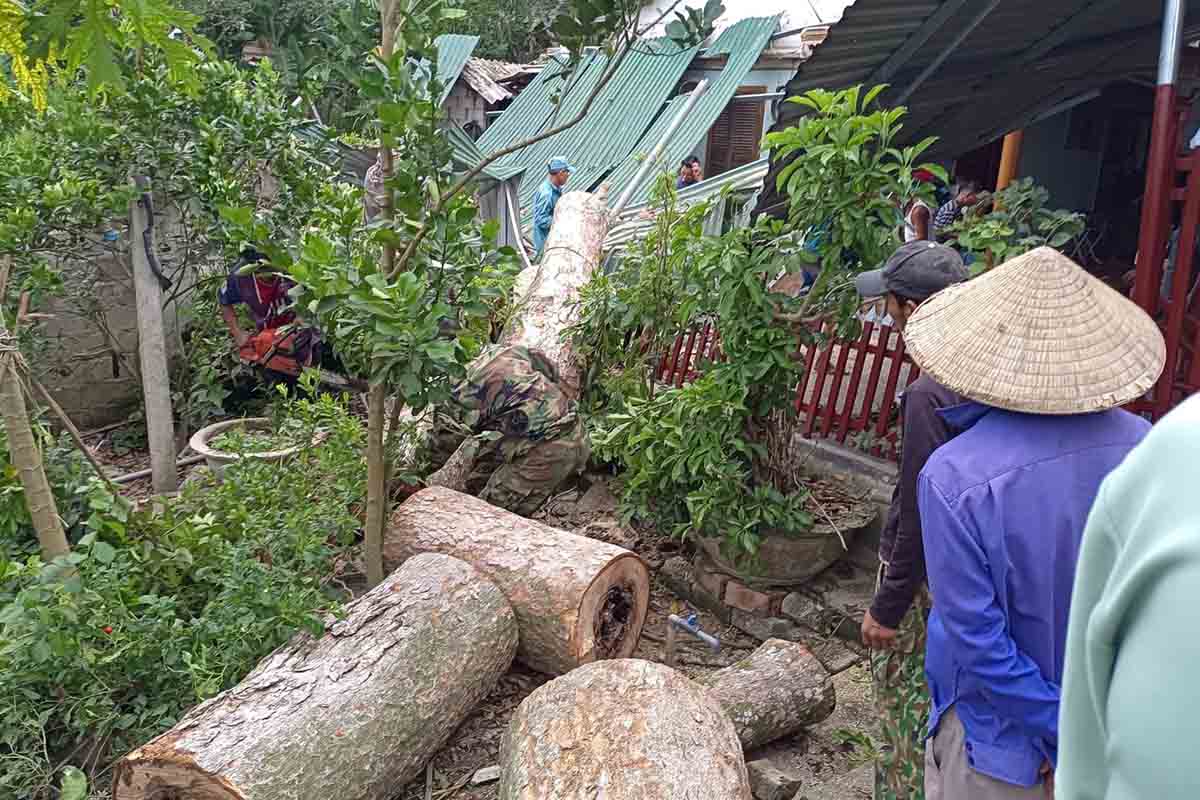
[{"x": 1045, "y": 354}]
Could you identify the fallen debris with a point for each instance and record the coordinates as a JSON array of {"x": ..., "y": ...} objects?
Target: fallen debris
[
  {"x": 549, "y": 290},
  {"x": 577, "y": 600},
  {"x": 356, "y": 713},
  {"x": 622, "y": 730},
  {"x": 486, "y": 775}
]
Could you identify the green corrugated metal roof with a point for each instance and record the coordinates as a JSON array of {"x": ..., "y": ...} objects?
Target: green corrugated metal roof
[
  {"x": 625, "y": 107},
  {"x": 468, "y": 154},
  {"x": 628, "y": 117},
  {"x": 453, "y": 52},
  {"x": 742, "y": 42}
]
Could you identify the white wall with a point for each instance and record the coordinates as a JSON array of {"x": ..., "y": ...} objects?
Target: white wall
[{"x": 795, "y": 13}]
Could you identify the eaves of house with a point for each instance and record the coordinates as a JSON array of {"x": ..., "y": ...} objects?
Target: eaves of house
[{"x": 971, "y": 70}]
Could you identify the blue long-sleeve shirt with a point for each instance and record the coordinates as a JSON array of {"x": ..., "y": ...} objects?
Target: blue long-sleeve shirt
[
  {"x": 1003, "y": 508},
  {"x": 544, "y": 201}
]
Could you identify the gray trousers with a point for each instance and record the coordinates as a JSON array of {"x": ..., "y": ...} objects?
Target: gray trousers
[{"x": 948, "y": 776}]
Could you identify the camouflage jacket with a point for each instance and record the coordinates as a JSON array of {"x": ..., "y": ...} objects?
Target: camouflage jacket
[{"x": 515, "y": 391}]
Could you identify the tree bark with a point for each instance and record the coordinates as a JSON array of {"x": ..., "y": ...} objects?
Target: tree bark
[
  {"x": 548, "y": 292},
  {"x": 775, "y": 691},
  {"x": 577, "y": 600},
  {"x": 622, "y": 730},
  {"x": 376, "y": 485},
  {"x": 27, "y": 459},
  {"x": 354, "y": 714}
]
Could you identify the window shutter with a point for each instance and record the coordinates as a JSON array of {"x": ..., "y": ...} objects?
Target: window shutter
[{"x": 734, "y": 138}]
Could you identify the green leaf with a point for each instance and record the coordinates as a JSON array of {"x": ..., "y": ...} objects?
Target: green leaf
[
  {"x": 103, "y": 552},
  {"x": 74, "y": 785}
]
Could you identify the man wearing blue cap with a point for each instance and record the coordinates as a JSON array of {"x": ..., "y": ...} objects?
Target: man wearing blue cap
[{"x": 546, "y": 199}]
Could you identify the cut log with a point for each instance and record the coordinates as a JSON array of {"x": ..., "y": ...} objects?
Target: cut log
[
  {"x": 548, "y": 292},
  {"x": 775, "y": 691},
  {"x": 576, "y": 600},
  {"x": 622, "y": 730},
  {"x": 356, "y": 713}
]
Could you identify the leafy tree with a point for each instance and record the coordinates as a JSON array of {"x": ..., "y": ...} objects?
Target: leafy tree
[
  {"x": 509, "y": 30},
  {"x": 716, "y": 457},
  {"x": 1018, "y": 222},
  {"x": 44, "y": 37},
  {"x": 390, "y": 291}
]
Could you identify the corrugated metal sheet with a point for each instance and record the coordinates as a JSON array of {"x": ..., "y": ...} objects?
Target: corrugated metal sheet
[
  {"x": 998, "y": 78},
  {"x": 453, "y": 52},
  {"x": 482, "y": 75},
  {"x": 742, "y": 43},
  {"x": 622, "y": 111},
  {"x": 467, "y": 154},
  {"x": 745, "y": 179}
]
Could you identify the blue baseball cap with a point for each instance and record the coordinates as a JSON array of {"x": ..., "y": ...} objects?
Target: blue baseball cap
[{"x": 560, "y": 165}]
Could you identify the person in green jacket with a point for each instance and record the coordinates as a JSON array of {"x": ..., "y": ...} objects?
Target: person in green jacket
[{"x": 1130, "y": 713}]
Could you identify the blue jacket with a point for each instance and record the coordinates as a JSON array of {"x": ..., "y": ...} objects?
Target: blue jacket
[
  {"x": 544, "y": 201},
  {"x": 1003, "y": 508}
]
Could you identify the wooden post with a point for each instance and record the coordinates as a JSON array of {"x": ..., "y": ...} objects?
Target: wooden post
[
  {"x": 1010, "y": 158},
  {"x": 152, "y": 349}
]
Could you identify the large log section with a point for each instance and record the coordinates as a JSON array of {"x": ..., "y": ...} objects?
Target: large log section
[
  {"x": 622, "y": 730},
  {"x": 775, "y": 691},
  {"x": 577, "y": 600},
  {"x": 354, "y": 714},
  {"x": 548, "y": 291}
]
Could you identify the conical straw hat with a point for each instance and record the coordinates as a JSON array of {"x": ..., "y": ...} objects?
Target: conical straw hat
[{"x": 1037, "y": 334}]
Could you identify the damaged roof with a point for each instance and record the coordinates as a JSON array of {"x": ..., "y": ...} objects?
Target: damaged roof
[
  {"x": 454, "y": 50},
  {"x": 485, "y": 76},
  {"x": 969, "y": 72},
  {"x": 630, "y": 113}
]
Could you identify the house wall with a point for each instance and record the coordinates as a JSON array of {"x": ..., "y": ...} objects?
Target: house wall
[
  {"x": 464, "y": 106},
  {"x": 1071, "y": 176}
]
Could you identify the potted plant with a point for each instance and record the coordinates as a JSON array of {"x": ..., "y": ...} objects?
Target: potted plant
[{"x": 717, "y": 458}]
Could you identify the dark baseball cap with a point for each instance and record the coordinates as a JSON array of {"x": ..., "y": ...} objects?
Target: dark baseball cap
[{"x": 916, "y": 271}]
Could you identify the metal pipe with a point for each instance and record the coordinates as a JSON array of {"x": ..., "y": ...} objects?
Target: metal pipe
[
  {"x": 742, "y": 98},
  {"x": 798, "y": 31},
  {"x": 1172, "y": 40},
  {"x": 515, "y": 221},
  {"x": 648, "y": 164}
]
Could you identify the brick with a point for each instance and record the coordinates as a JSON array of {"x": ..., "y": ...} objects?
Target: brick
[
  {"x": 743, "y": 597},
  {"x": 768, "y": 782},
  {"x": 708, "y": 579}
]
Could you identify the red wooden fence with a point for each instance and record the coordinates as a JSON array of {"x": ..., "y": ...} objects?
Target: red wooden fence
[{"x": 849, "y": 388}]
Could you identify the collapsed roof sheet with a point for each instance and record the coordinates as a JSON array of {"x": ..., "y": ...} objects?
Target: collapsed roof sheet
[
  {"x": 453, "y": 52},
  {"x": 628, "y": 117}
]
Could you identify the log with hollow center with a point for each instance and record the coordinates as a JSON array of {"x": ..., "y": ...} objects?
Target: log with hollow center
[
  {"x": 354, "y": 714},
  {"x": 576, "y": 599}
]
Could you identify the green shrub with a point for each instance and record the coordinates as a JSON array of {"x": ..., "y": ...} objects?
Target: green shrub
[{"x": 165, "y": 611}]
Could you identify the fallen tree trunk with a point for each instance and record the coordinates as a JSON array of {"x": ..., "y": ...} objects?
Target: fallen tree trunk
[
  {"x": 354, "y": 714},
  {"x": 622, "y": 730},
  {"x": 775, "y": 691},
  {"x": 548, "y": 292},
  {"x": 577, "y": 600}
]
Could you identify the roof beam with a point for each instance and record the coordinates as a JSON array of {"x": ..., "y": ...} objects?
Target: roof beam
[
  {"x": 950, "y": 47},
  {"x": 900, "y": 56},
  {"x": 1063, "y": 32}
]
